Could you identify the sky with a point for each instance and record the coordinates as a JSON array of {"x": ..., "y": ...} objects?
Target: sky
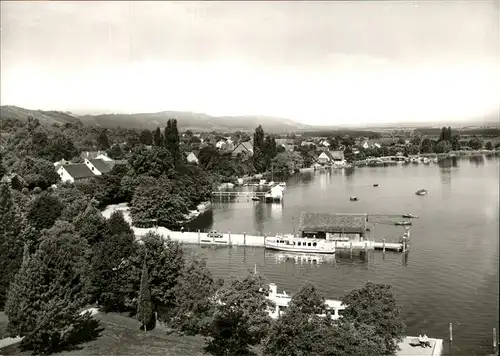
[{"x": 321, "y": 63}]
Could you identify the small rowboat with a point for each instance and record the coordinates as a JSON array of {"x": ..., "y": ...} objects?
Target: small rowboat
[
  {"x": 409, "y": 216},
  {"x": 375, "y": 185},
  {"x": 422, "y": 192},
  {"x": 402, "y": 223},
  {"x": 353, "y": 198},
  {"x": 255, "y": 199}
]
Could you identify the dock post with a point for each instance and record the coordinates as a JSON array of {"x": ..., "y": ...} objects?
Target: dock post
[
  {"x": 383, "y": 245},
  {"x": 451, "y": 334},
  {"x": 198, "y": 236},
  {"x": 350, "y": 246},
  {"x": 229, "y": 237},
  {"x": 366, "y": 246},
  {"x": 244, "y": 239},
  {"x": 404, "y": 243},
  {"x": 495, "y": 345}
]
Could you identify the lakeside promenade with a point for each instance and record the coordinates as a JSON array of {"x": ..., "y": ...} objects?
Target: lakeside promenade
[{"x": 237, "y": 239}]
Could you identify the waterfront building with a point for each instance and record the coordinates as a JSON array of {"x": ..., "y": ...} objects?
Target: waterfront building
[{"x": 333, "y": 226}]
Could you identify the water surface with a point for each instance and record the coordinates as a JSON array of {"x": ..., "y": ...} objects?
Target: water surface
[{"x": 449, "y": 275}]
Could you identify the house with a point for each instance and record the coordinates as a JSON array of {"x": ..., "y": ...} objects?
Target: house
[
  {"x": 99, "y": 166},
  {"x": 74, "y": 172},
  {"x": 93, "y": 154},
  {"x": 225, "y": 145},
  {"x": 337, "y": 157},
  {"x": 191, "y": 157},
  {"x": 333, "y": 227},
  {"x": 243, "y": 149},
  {"x": 365, "y": 145},
  {"x": 377, "y": 145},
  {"x": 307, "y": 143},
  {"x": 325, "y": 157},
  {"x": 325, "y": 143}
]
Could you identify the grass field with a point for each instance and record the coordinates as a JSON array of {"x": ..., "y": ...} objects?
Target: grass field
[{"x": 121, "y": 336}]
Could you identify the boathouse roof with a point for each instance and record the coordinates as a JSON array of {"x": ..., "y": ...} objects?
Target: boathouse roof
[{"x": 330, "y": 222}]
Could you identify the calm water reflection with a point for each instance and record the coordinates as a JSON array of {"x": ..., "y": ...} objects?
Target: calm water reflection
[{"x": 451, "y": 272}]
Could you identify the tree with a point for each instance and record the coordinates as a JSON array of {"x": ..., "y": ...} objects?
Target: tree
[
  {"x": 374, "y": 305},
  {"x": 208, "y": 157},
  {"x": 172, "y": 140},
  {"x": 3, "y": 170},
  {"x": 108, "y": 256},
  {"x": 285, "y": 162},
  {"x": 44, "y": 211},
  {"x": 91, "y": 225},
  {"x": 160, "y": 202},
  {"x": 146, "y": 137},
  {"x": 154, "y": 162},
  {"x": 193, "y": 295},
  {"x": 475, "y": 143},
  {"x": 36, "y": 172},
  {"x": 259, "y": 156},
  {"x": 240, "y": 317},
  {"x": 158, "y": 138},
  {"x": 10, "y": 244},
  {"x": 102, "y": 140},
  {"x": 299, "y": 330},
  {"x": 115, "y": 152},
  {"x": 47, "y": 295},
  {"x": 443, "y": 147},
  {"x": 59, "y": 147},
  {"x": 489, "y": 146},
  {"x": 144, "y": 305},
  {"x": 427, "y": 146},
  {"x": 455, "y": 143}
]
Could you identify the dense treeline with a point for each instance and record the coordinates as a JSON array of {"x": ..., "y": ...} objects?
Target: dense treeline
[{"x": 340, "y": 133}]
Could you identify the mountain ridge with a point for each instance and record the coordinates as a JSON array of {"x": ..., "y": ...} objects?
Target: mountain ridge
[{"x": 204, "y": 122}]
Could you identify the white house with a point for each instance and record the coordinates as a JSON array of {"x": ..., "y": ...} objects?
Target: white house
[
  {"x": 99, "y": 166},
  {"x": 191, "y": 158},
  {"x": 365, "y": 145},
  {"x": 74, "y": 172},
  {"x": 324, "y": 157},
  {"x": 325, "y": 143},
  {"x": 104, "y": 157},
  {"x": 220, "y": 144}
]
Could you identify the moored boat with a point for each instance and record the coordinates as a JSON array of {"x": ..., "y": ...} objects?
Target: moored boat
[
  {"x": 255, "y": 199},
  {"x": 290, "y": 243},
  {"x": 409, "y": 216},
  {"x": 353, "y": 198},
  {"x": 402, "y": 223},
  {"x": 422, "y": 192}
]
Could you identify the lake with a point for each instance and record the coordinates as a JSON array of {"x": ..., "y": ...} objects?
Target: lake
[{"x": 450, "y": 273}]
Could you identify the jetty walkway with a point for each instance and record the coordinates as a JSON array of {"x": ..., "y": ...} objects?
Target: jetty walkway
[{"x": 230, "y": 238}]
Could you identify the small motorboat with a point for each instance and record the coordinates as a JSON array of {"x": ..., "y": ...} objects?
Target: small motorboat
[
  {"x": 353, "y": 198},
  {"x": 375, "y": 185},
  {"x": 402, "y": 223},
  {"x": 255, "y": 199},
  {"x": 422, "y": 192},
  {"x": 409, "y": 216}
]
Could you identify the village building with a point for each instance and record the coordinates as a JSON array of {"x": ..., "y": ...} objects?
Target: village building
[
  {"x": 336, "y": 157},
  {"x": 243, "y": 149},
  {"x": 191, "y": 157},
  {"x": 94, "y": 155},
  {"x": 333, "y": 227},
  {"x": 99, "y": 166},
  {"x": 74, "y": 172}
]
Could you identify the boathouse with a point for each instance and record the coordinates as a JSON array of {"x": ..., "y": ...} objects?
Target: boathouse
[{"x": 333, "y": 226}]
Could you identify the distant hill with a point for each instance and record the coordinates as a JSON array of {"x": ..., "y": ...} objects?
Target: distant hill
[
  {"x": 195, "y": 122},
  {"x": 203, "y": 122},
  {"x": 45, "y": 117}
]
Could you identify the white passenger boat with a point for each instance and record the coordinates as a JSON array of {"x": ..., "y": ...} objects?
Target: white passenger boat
[{"x": 290, "y": 243}]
